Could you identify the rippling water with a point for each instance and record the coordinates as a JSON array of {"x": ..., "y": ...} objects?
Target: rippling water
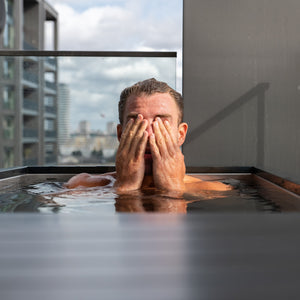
[{"x": 52, "y": 197}]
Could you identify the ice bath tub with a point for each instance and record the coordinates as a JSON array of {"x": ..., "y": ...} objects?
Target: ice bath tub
[
  {"x": 151, "y": 256},
  {"x": 255, "y": 190}
]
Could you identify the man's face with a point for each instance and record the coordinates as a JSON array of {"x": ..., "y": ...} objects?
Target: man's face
[{"x": 150, "y": 107}]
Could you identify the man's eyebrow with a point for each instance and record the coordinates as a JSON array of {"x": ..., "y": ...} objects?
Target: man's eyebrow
[
  {"x": 164, "y": 116},
  {"x": 132, "y": 115}
]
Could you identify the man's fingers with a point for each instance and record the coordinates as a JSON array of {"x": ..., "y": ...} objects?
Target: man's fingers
[
  {"x": 140, "y": 150},
  {"x": 159, "y": 136},
  {"x": 164, "y": 138},
  {"x": 169, "y": 130},
  {"x": 124, "y": 141},
  {"x": 139, "y": 141},
  {"x": 153, "y": 146},
  {"x": 129, "y": 133},
  {"x": 172, "y": 142}
]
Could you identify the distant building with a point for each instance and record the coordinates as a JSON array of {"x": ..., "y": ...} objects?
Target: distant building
[
  {"x": 63, "y": 113},
  {"x": 28, "y": 87},
  {"x": 111, "y": 128},
  {"x": 88, "y": 146},
  {"x": 84, "y": 127}
]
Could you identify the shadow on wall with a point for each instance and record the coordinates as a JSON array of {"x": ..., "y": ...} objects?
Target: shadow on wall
[{"x": 257, "y": 92}]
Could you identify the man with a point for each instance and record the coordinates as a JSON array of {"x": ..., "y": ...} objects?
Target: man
[{"x": 150, "y": 133}]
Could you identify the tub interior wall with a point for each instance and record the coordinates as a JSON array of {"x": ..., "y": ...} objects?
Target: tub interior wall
[{"x": 21, "y": 181}]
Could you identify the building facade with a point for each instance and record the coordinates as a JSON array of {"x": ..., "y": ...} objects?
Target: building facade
[
  {"x": 64, "y": 99},
  {"x": 28, "y": 87}
]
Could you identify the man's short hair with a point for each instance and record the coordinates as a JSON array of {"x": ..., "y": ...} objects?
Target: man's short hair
[{"x": 149, "y": 87}]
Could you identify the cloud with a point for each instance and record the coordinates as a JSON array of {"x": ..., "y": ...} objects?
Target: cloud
[
  {"x": 115, "y": 25},
  {"x": 118, "y": 27},
  {"x": 95, "y": 83}
]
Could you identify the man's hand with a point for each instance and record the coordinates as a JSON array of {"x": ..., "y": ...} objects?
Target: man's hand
[
  {"x": 130, "y": 164},
  {"x": 168, "y": 160}
]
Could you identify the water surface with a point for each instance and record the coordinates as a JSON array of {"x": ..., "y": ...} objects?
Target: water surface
[{"x": 52, "y": 197}]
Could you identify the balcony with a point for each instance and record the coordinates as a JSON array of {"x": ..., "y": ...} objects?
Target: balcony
[
  {"x": 30, "y": 133},
  {"x": 50, "y": 110},
  {"x": 50, "y": 134},
  {"x": 51, "y": 85},
  {"x": 30, "y": 104},
  {"x": 28, "y": 46},
  {"x": 8, "y": 133},
  {"x": 31, "y": 77},
  {"x": 50, "y": 63}
]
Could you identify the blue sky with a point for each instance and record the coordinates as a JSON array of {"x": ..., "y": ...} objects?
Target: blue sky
[{"x": 116, "y": 25}]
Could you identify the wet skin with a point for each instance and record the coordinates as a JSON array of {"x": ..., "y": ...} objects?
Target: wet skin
[
  {"x": 149, "y": 150},
  {"x": 149, "y": 153}
]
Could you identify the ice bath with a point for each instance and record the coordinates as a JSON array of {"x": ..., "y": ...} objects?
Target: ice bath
[{"x": 45, "y": 193}]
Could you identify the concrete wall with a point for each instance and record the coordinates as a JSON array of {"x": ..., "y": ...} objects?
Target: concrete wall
[{"x": 241, "y": 84}]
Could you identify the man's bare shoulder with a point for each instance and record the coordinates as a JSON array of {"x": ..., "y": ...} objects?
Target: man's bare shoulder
[
  {"x": 191, "y": 179},
  {"x": 194, "y": 184},
  {"x": 91, "y": 180}
]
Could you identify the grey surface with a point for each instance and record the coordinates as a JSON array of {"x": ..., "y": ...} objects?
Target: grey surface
[
  {"x": 241, "y": 84},
  {"x": 2, "y": 16},
  {"x": 149, "y": 256}
]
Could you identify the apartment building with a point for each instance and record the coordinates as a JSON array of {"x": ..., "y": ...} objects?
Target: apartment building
[
  {"x": 64, "y": 99},
  {"x": 28, "y": 86}
]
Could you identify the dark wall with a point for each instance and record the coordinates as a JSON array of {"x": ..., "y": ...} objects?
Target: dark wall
[{"x": 241, "y": 84}]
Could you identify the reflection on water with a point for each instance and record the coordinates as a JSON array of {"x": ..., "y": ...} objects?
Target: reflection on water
[{"x": 51, "y": 197}]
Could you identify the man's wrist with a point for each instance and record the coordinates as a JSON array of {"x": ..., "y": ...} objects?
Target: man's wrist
[{"x": 121, "y": 187}]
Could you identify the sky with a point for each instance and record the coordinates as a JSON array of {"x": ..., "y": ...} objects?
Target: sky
[{"x": 114, "y": 25}]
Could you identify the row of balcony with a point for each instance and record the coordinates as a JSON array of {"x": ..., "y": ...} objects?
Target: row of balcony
[
  {"x": 33, "y": 133},
  {"x": 33, "y": 78},
  {"x": 8, "y": 133},
  {"x": 30, "y": 104},
  {"x": 50, "y": 60},
  {"x": 50, "y": 110},
  {"x": 34, "y": 106},
  {"x": 30, "y": 76}
]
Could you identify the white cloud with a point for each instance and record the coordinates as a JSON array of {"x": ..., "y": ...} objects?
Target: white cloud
[
  {"x": 96, "y": 82},
  {"x": 140, "y": 70},
  {"x": 115, "y": 25}
]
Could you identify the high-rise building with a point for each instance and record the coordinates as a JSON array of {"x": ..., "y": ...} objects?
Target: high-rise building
[
  {"x": 84, "y": 127},
  {"x": 28, "y": 86},
  {"x": 111, "y": 128},
  {"x": 63, "y": 113}
]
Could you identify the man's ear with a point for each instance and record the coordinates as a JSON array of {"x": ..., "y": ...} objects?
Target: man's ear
[
  {"x": 119, "y": 131},
  {"x": 182, "y": 130}
]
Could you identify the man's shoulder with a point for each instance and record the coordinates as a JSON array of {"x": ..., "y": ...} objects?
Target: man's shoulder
[{"x": 191, "y": 179}]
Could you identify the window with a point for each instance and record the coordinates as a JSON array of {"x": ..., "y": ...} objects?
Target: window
[
  {"x": 49, "y": 125},
  {"x": 9, "y": 32},
  {"x": 9, "y": 97},
  {"x": 8, "y": 68},
  {"x": 8, "y": 128},
  {"x": 8, "y": 157},
  {"x": 49, "y": 101},
  {"x": 49, "y": 148}
]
